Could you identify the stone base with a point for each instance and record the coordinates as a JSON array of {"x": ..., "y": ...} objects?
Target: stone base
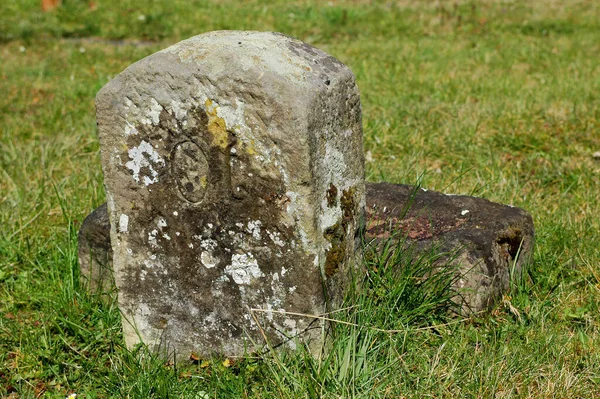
[
  {"x": 487, "y": 243},
  {"x": 95, "y": 252},
  {"x": 491, "y": 242}
]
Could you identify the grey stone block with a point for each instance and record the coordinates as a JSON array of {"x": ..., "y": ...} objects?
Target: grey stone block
[
  {"x": 487, "y": 243},
  {"x": 233, "y": 167}
]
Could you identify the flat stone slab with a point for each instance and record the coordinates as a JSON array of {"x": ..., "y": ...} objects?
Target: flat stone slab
[
  {"x": 233, "y": 165},
  {"x": 492, "y": 242},
  {"x": 488, "y": 243}
]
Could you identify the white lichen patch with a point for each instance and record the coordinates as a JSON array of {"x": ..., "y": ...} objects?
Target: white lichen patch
[
  {"x": 243, "y": 268},
  {"x": 277, "y": 303},
  {"x": 269, "y": 312},
  {"x": 304, "y": 238},
  {"x": 334, "y": 163},
  {"x": 130, "y": 129},
  {"x": 233, "y": 115},
  {"x": 290, "y": 324},
  {"x": 152, "y": 238},
  {"x": 178, "y": 109},
  {"x": 161, "y": 223},
  {"x": 329, "y": 215},
  {"x": 276, "y": 238},
  {"x": 144, "y": 156},
  {"x": 288, "y": 330},
  {"x": 293, "y": 196},
  {"x": 295, "y": 208},
  {"x": 149, "y": 265},
  {"x": 291, "y": 344},
  {"x": 143, "y": 274},
  {"x": 463, "y": 213},
  {"x": 254, "y": 228},
  {"x": 154, "y": 111},
  {"x": 291, "y": 328},
  {"x": 208, "y": 260},
  {"x": 123, "y": 223},
  {"x": 209, "y": 244}
]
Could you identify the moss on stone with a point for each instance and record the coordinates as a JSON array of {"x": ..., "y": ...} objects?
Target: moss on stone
[
  {"x": 332, "y": 195},
  {"x": 348, "y": 205},
  {"x": 336, "y": 234},
  {"x": 337, "y": 253}
]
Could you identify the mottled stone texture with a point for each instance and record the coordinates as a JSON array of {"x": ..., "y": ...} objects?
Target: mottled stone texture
[
  {"x": 488, "y": 243},
  {"x": 233, "y": 166},
  {"x": 95, "y": 253}
]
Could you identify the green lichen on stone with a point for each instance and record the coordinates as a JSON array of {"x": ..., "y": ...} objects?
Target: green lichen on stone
[
  {"x": 336, "y": 234},
  {"x": 348, "y": 206},
  {"x": 332, "y": 195},
  {"x": 337, "y": 253}
]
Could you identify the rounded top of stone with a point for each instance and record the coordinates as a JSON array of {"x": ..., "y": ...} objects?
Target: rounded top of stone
[{"x": 248, "y": 50}]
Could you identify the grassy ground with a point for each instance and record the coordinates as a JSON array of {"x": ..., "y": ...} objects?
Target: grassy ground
[{"x": 499, "y": 99}]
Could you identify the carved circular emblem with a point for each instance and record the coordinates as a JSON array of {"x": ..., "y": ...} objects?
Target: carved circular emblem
[{"x": 190, "y": 169}]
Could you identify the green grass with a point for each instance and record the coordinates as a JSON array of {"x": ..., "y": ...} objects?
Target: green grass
[{"x": 499, "y": 99}]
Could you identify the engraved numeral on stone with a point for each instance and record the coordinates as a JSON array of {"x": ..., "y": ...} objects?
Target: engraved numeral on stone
[{"x": 190, "y": 169}]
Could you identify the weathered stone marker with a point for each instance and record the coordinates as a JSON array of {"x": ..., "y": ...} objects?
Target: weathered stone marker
[{"x": 233, "y": 165}]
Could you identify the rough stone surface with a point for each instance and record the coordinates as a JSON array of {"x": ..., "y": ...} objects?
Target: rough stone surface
[
  {"x": 487, "y": 242},
  {"x": 95, "y": 253},
  {"x": 487, "y": 235},
  {"x": 233, "y": 167}
]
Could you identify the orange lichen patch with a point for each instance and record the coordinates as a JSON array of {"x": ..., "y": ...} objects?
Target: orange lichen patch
[{"x": 216, "y": 125}]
